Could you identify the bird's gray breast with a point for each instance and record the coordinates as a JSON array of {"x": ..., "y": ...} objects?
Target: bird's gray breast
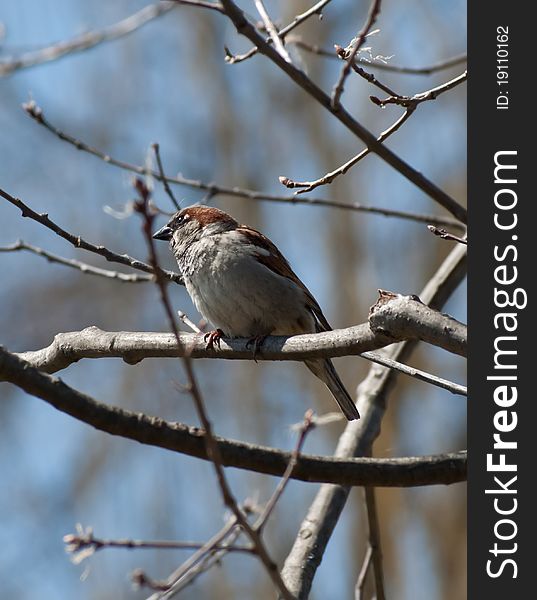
[{"x": 240, "y": 295}]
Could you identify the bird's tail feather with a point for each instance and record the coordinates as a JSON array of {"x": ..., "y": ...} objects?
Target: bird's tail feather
[{"x": 325, "y": 371}]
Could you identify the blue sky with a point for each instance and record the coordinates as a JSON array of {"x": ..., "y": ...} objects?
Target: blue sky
[{"x": 243, "y": 125}]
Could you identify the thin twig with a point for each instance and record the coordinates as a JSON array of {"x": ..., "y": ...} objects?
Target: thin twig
[
  {"x": 167, "y": 189},
  {"x": 188, "y": 570},
  {"x": 384, "y": 66},
  {"x": 352, "y": 51},
  {"x": 211, "y": 558},
  {"x": 329, "y": 177},
  {"x": 201, "y": 4},
  {"x": 410, "y": 104},
  {"x": 36, "y": 113},
  {"x": 188, "y": 322},
  {"x": 316, "y": 9},
  {"x": 236, "y": 15},
  {"x": 76, "y": 264},
  {"x": 78, "y": 242},
  {"x": 431, "y": 94},
  {"x": 213, "y": 450},
  {"x": 273, "y": 32},
  {"x": 363, "y": 574},
  {"x": 86, "y": 40},
  {"x": 445, "y": 235},
  {"x": 307, "y": 426},
  {"x": 85, "y": 540},
  {"x": 216, "y": 540},
  {"x": 372, "y": 79},
  {"x": 374, "y": 541},
  {"x": 454, "y": 388}
]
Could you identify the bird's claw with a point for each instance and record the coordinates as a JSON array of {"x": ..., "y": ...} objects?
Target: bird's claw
[
  {"x": 212, "y": 338},
  {"x": 257, "y": 342}
]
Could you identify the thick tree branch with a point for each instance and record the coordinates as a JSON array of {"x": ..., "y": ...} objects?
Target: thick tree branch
[
  {"x": 397, "y": 472},
  {"x": 409, "y": 318},
  {"x": 135, "y": 346},
  {"x": 401, "y": 318}
]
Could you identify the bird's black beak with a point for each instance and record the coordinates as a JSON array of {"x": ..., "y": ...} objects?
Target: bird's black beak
[{"x": 165, "y": 233}]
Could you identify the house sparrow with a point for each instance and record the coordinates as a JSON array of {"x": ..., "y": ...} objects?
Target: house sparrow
[{"x": 240, "y": 282}]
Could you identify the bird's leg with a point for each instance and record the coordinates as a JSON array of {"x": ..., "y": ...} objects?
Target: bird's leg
[
  {"x": 257, "y": 342},
  {"x": 212, "y": 338}
]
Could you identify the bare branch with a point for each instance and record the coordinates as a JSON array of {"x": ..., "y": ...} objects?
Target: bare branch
[
  {"x": 176, "y": 437},
  {"x": 213, "y": 189},
  {"x": 300, "y": 78},
  {"x": 393, "y": 318},
  {"x": 201, "y": 4},
  {"x": 212, "y": 557},
  {"x": 188, "y": 322},
  {"x": 329, "y": 177},
  {"x": 76, "y": 264},
  {"x": 352, "y": 51},
  {"x": 86, "y": 40},
  {"x": 432, "y": 94},
  {"x": 133, "y": 347},
  {"x": 439, "y": 66},
  {"x": 307, "y": 426},
  {"x": 165, "y": 183},
  {"x": 357, "y": 440},
  {"x": 84, "y": 541},
  {"x": 316, "y": 9},
  {"x": 186, "y": 568},
  {"x": 383, "y": 66},
  {"x": 409, "y": 103},
  {"x": 454, "y": 388},
  {"x": 273, "y": 32},
  {"x": 445, "y": 235},
  {"x": 372, "y": 79},
  {"x": 78, "y": 242},
  {"x": 363, "y": 574},
  {"x": 410, "y": 318},
  {"x": 374, "y": 541}
]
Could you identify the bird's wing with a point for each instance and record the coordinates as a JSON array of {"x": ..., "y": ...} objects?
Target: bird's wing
[{"x": 274, "y": 260}]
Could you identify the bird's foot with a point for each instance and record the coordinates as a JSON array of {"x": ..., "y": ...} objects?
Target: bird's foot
[
  {"x": 257, "y": 342},
  {"x": 212, "y": 338}
]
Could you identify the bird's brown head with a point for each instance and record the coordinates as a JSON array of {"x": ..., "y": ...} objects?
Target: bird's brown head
[{"x": 192, "y": 223}]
